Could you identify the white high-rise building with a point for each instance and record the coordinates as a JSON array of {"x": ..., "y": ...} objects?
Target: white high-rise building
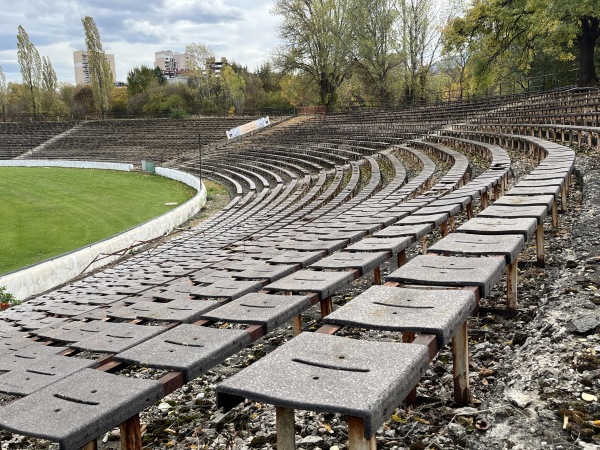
[
  {"x": 173, "y": 64},
  {"x": 82, "y": 73}
]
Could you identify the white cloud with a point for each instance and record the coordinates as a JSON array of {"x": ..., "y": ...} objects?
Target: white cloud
[{"x": 240, "y": 30}]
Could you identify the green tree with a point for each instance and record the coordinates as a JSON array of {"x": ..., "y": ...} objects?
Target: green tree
[
  {"x": 235, "y": 87},
  {"x": 566, "y": 30},
  {"x": 317, "y": 37},
  {"x": 31, "y": 67},
  {"x": 140, "y": 78},
  {"x": 49, "y": 80},
  {"x": 100, "y": 75},
  {"x": 374, "y": 23}
]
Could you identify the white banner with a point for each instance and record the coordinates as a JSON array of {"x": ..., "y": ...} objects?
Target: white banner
[{"x": 248, "y": 127}]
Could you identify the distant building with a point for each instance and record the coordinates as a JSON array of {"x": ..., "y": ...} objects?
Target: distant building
[
  {"x": 173, "y": 64},
  {"x": 215, "y": 67},
  {"x": 82, "y": 72}
]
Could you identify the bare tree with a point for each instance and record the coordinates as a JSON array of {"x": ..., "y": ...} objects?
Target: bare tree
[
  {"x": 421, "y": 38},
  {"x": 100, "y": 75},
  {"x": 31, "y": 67},
  {"x": 199, "y": 53}
]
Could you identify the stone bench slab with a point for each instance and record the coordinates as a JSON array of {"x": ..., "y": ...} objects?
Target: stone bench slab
[
  {"x": 417, "y": 231},
  {"x": 228, "y": 289},
  {"x": 451, "y": 271},
  {"x": 489, "y": 225},
  {"x": 268, "y": 310},
  {"x": 323, "y": 373},
  {"x": 189, "y": 349},
  {"x": 499, "y": 211},
  {"x": 379, "y": 244},
  {"x": 41, "y": 372},
  {"x": 118, "y": 338},
  {"x": 304, "y": 281},
  {"x": 363, "y": 261},
  {"x": 79, "y": 408},
  {"x": 433, "y": 311},
  {"x": 507, "y": 245}
]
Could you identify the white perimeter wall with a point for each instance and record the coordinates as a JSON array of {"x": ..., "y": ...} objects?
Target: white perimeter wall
[{"x": 45, "y": 275}]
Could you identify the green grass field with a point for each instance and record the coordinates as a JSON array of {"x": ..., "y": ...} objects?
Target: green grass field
[{"x": 45, "y": 212}]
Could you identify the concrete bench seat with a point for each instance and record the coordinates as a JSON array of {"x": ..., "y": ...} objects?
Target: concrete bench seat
[
  {"x": 268, "y": 310},
  {"x": 435, "y": 219},
  {"x": 295, "y": 257},
  {"x": 365, "y": 262},
  {"x": 501, "y": 211},
  {"x": 507, "y": 245},
  {"x": 227, "y": 289},
  {"x": 315, "y": 245},
  {"x": 317, "y": 372},
  {"x": 190, "y": 349},
  {"x": 263, "y": 271},
  {"x": 118, "y": 338},
  {"x": 40, "y": 372},
  {"x": 183, "y": 311},
  {"x": 451, "y": 271},
  {"x": 79, "y": 408},
  {"x": 428, "y": 311},
  {"x": 74, "y": 331},
  {"x": 488, "y": 225},
  {"x": 394, "y": 245},
  {"x": 305, "y": 281},
  {"x": 416, "y": 231}
]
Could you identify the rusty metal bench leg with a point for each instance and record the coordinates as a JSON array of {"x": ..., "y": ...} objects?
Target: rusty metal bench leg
[
  {"x": 356, "y": 435},
  {"x": 286, "y": 438},
  {"x": 539, "y": 244},
  {"x": 460, "y": 365},
  {"x": 444, "y": 228},
  {"x": 424, "y": 244},
  {"x": 470, "y": 214},
  {"x": 401, "y": 257},
  {"x": 563, "y": 197},
  {"x": 511, "y": 287},
  {"x": 131, "y": 434},
  {"x": 326, "y": 307},
  {"x": 377, "y": 275},
  {"x": 93, "y": 445},
  {"x": 554, "y": 214},
  {"x": 297, "y": 325}
]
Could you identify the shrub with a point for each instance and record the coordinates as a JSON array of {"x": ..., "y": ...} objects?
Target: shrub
[{"x": 6, "y": 298}]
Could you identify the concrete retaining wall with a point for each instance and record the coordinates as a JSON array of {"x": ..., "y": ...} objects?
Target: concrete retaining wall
[{"x": 45, "y": 275}]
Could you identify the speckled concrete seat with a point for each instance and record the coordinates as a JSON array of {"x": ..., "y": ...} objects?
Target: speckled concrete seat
[
  {"x": 79, "y": 408},
  {"x": 507, "y": 245},
  {"x": 315, "y": 245},
  {"x": 500, "y": 211},
  {"x": 184, "y": 311},
  {"x": 118, "y": 338},
  {"x": 295, "y": 257},
  {"x": 264, "y": 271},
  {"x": 189, "y": 349},
  {"x": 323, "y": 373},
  {"x": 268, "y": 310},
  {"x": 74, "y": 331},
  {"x": 387, "y": 308},
  {"x": 394, "y": 245},
  {"x": 452, "y": 271},
  {"x": 304, "y": 281},
  {"x": 487, "y": 225},
  {"x": 228, "y": 289},
  {"x": 435, "y": 219},
  {"x": 40, "y": 372},
  {"x": 363, "y": 261},
  {"x": 417, "y": 231}
]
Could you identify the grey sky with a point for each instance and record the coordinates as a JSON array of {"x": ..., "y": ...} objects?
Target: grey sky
[{"x": 240, "y": 30}]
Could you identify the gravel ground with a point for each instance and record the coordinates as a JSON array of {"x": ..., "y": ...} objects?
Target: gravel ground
[{"x": 535, "y": 379}]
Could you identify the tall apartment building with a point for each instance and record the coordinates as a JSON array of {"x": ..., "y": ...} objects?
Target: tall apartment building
[
  {"x": 173, "y": 64},
  {"x": 82, "y": 73}
]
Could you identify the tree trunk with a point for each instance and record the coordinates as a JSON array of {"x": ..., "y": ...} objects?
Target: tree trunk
[{"x": 590, "y": 32}]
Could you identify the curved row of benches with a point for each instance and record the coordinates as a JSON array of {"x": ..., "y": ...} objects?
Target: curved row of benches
[{"x": 244, "y": 272}]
